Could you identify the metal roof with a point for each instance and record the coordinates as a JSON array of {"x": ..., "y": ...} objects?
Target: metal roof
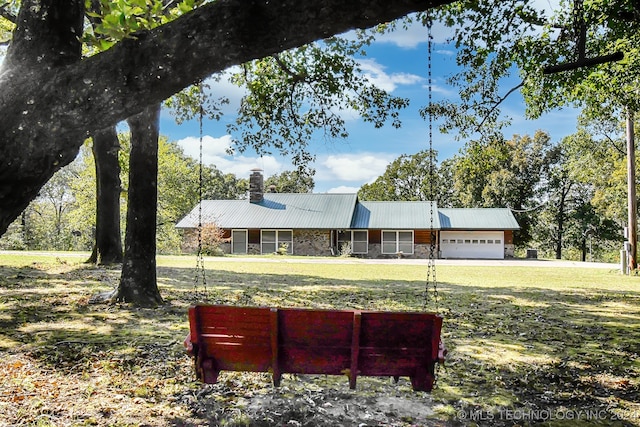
[
  {"x": 477, "y": 219},
  {"x": 343, "y": 211},
  {"x": 395, "y": 215},
  {"x": 278, "y": 211}
]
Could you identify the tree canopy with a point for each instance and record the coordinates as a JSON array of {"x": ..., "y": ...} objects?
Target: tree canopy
[
  {"x": 52, "y": 97},
  {"x": 514, "y": 42}
]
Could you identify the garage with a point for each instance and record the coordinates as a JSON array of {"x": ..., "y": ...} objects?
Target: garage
[{"x": 472, "y": 244}]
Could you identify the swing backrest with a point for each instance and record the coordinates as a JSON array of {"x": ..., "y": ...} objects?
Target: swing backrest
[{"x": 306, "y": 341}]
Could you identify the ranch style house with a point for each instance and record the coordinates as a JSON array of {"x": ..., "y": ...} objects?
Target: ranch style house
[{"x": 326, "y": 224}]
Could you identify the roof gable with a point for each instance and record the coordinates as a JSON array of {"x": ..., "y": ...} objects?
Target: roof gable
[{"x": 344, "y": 211}]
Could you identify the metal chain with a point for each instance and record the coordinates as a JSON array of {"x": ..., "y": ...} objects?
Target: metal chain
[
  {"x": 431, "y": 266},
  {"x": 200, "y": 277}
]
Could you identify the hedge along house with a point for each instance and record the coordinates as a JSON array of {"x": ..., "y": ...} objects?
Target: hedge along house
[{"x": 329, "y": 224}]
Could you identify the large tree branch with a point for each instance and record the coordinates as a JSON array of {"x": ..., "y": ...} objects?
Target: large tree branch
[
  {"x": 48, "y": 107},
  {"x": 109, "y": 87},
  {"x": 495, "y": 105}
]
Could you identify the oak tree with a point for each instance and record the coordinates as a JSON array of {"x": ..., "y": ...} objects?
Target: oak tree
[{"x": 51, "y": 97}]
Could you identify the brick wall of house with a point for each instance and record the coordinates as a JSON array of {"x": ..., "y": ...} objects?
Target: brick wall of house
[{"x": 509, "y": 247}]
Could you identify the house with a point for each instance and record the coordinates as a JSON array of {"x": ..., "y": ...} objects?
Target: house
[{"x": 328, "y": 224}]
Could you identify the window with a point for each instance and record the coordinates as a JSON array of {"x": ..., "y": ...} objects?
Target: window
[
  {"x": 360, "y": 243},
  {"x": 239, "y": 241},
  {"x": 272, "y": 240},
  {"x": 269, "y": 242},
  {"x": 397, "y": 241},
  {"x": 357, "y": 239}
]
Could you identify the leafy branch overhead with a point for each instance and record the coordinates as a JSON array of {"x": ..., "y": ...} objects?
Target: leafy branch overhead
[
  {"x": 291, "y": 97},
  {"x": 308, "y": 92},
  {"x": 510, "y": 43}
]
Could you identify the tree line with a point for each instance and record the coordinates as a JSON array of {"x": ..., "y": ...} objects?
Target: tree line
[
  {"x": 63, "y": 216},
  {"x": 568, "y": 197}
]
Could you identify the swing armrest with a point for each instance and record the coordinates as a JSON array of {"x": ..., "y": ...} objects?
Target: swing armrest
[
  {"x": 188, "y": 345},
  {"x": 442, "y": 352}
]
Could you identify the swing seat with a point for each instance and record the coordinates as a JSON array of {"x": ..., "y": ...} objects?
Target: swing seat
[{"x": 309, "y": 341}]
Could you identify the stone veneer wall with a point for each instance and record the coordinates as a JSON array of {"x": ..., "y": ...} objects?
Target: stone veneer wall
[
  {"x": 420, "y": 251},
  {"x": 311, "y": 242}
]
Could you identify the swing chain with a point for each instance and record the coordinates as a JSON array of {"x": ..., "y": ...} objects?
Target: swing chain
[
  {"x": 431, "y": 267},
  {"x": 200, "y": 277}
]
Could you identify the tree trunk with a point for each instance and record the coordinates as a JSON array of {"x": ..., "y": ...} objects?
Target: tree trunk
[
  {"x": 107, "y": 248},
  {"x": 138, "y": 280},
  {"x": 632, "y": 201},
  {"x": 51, "y": 99},
  {"x": 45, "y": 39},
  {"x": 560, "y": 219}
]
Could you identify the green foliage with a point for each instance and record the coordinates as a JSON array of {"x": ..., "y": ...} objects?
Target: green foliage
[
  {"x": 504, "y": 173},
  {"x": 297, "y": 181},
  {"x": 346, "y": 250},
  {"x": 410, "y": 178},
  {"x": 113, "y": 21},
  {"x": 212, "y": 239},
  {"x": 63, "y": 217},
  {"x": 9, "y": 8},
  {"x": 510, "y": 42},
  {"x": 601, "y": 163},
  {"x": 283, "y": 249},
  {"x": 196, "y": 100},
  {"x": 297, "y": 94},
  {"x": 13, "y": 239}
]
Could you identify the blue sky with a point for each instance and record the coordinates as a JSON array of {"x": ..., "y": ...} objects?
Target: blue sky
[{"x": 398, "y": 63}]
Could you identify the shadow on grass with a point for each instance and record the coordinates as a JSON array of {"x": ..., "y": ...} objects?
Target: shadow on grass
[{"x": 544, "y": 355}]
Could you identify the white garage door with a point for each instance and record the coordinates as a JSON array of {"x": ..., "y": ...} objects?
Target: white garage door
[{"x": 472, "y": 244}]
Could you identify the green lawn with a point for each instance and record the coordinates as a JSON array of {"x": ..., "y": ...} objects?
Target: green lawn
[{"x": 527, "y": 345}]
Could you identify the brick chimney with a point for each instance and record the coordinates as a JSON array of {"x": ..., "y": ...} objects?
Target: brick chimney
[{"x": 256, "y": 186}]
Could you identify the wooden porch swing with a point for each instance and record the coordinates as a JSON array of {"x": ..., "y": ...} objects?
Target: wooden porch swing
[{"x": 313, "y": 341}]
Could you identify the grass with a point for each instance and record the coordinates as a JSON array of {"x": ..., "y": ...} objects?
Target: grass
[{"x": 527, "y": 345}]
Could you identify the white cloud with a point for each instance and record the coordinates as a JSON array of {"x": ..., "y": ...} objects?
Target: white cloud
[
  {"x": 446, "y": 52},
  {"x": 214, "y": 152},
  {"x": 211, "y": 147},
  {"x": 376, "y": 74},
  {"x": 343, "y": 189},
  {"x": 444, "y": 91},
  {"x": 359, "y": 167},
  {"x": 414, "y": 34},
  {"x": 224, "y": 88}
]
